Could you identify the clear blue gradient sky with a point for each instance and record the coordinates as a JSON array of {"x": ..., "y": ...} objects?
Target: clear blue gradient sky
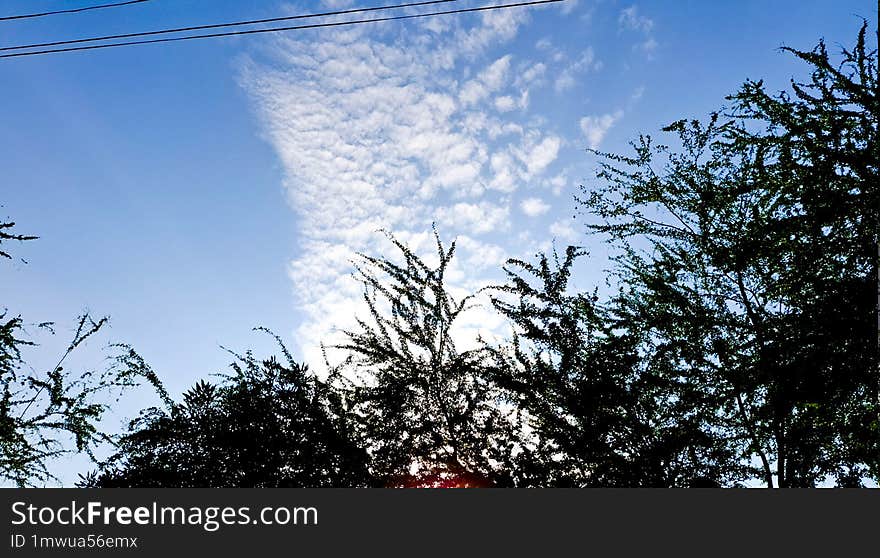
[{"x": 169, "y": 183}]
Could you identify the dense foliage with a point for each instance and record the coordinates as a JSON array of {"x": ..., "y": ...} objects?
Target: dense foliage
[
  {"x": 267, "y": 424},
  {"x": 428, "y": 413},
  {"x": 749, "y": 259},
  {"x": 600, "y": 413}
]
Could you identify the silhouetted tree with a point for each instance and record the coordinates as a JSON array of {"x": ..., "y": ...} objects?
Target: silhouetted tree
[
  {"x": 267, "y": 424},
  {"x": 598, "y": 414},
  {"x": 429, "y": 415},
  {"x": 6, "y": 235},
  {"x": 750, "y": 261},
  {"x": 45, "y": 415}
]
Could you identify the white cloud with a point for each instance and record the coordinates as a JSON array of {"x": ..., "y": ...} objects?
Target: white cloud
[
  {"x": 569, "y": 6},
  {"x": 532, "y": 73},
  {"x": 556, "y": 183},
  {"x": 476, "y": 218},
  {"x": 564, "y": 230},
  {"x": 541, "y": 154},
  {"x": 337, "y": 4},
  {"x": 638, "y": 94},
  {"x": 490, "y": 80},
  {"x": 524, "y": 99},
  {"x": 630, "y": 18},
  {"x": 565, "y": 81},
  {"x": 648, "y": 47},
  {"x": 595, "y": 127},
  {"x": 534, "y": 207},
  {"x": 379, "y": 128},
  {"x": 505, "y": 103},
  {"x": 568, "y": 76}
]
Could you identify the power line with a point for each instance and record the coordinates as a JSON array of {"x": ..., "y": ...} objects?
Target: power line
[
  {"x": 230, "y": 24},
  {"x": 73, "y": 10},
  {"x": 277, "y": 29}
]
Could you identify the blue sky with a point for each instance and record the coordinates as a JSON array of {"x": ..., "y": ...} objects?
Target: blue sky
[{"x": 195, "y": 190}]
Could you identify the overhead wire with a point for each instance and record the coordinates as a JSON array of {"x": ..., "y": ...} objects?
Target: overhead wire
[
  {"x": 72, "y": 10},
  {"x": 280, "y": 29},
  {"x": 228, "y": 24}
]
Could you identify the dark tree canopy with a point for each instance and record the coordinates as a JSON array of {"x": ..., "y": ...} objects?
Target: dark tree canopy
[
  {"x": 749, "y": 256},
  {"x": 428, "y": 413},
  {"x": 267, "y": 424},
  {"x": 600, "y": 414}
]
